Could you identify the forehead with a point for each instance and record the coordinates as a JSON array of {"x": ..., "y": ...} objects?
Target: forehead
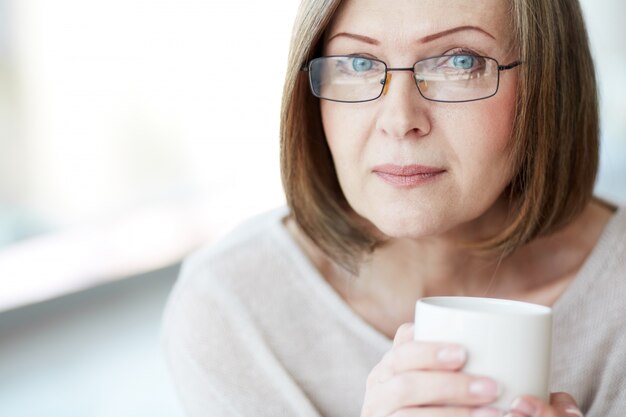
[{"x": 416, "y": 19}]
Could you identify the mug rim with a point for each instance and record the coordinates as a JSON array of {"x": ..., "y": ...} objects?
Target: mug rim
[{"x": 479, "y": 305}]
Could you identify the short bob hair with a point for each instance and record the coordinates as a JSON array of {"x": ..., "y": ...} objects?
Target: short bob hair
[{"x": 555, "y": 134}]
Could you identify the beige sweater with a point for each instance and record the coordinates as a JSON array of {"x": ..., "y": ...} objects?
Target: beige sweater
[{"x": 252, "y": 329}]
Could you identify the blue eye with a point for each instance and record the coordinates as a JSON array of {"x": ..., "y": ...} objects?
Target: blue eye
[
  {"x": 463, "y": 61},
  {"x": 361, "y": 64}
]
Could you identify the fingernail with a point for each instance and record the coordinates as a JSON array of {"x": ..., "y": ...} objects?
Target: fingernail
[
  {"x": 486, "y": 412},
  {"x": 523, "y": 407},
  {"x": 484, "y": 387},
  {"x": 574, "y": 411},
  {"x": 453, "y": 354}
]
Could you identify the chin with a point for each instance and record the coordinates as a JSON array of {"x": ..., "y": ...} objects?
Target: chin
[
  {"x": 414, "y": 230},
  {"x": 412, "y": 225}
]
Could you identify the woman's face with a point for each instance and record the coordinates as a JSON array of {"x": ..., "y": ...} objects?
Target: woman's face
[{"x": 414, "y": 167}]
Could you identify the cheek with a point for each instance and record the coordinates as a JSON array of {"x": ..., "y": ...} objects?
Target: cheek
[
  {"x": 482, "y": 147},
  {"x": 476, "y": 140},
  {"x": 339, "y": 122},
  {"x": 498, "y": 127},
  {"x": 346, "y": 128},
  {"x": 329, "y": 122},
  {"x": 481, "y": 134},
  {"x": 502, "y": 113},
  {"x": 346, "y": 134}
]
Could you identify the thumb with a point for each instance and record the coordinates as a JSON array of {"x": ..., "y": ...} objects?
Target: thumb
[
  {"x": 404, "y": 334},
  {"x": 561, "y": 405},
  {"x": 566, "y": 404}
]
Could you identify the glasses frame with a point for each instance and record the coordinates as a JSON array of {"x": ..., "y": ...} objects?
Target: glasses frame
[{"x": 307, "y": 68}]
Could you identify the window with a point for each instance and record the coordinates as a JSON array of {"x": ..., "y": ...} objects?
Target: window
[
  {"x": 125, "y": 140},
  {"x": 133, "y": 131}
]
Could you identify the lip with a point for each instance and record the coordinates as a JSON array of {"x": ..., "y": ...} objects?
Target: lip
[{"x": 407, "y": 176}]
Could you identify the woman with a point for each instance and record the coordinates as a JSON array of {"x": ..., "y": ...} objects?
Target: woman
[{"x": 428, "y": 148}]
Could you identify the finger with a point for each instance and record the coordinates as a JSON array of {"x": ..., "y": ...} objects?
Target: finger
[
  {"x": 514, "y": 414},
  {"x": 447, "y": 412},
  {"x": 379, "y": 372},
  {"x": 561, "y": 405},
  {"x": 404, "y": 333},
  {"x": 410, "y": 389},
  {"x": 528, "y": 406},
  {"x": 415, "y": 356},
  {"x": 377, "y": 375}
]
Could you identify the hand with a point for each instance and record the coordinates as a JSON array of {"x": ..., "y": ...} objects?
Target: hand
[
  {"x": 561, "y": 405},
  {"x": 418, "y": 379}
]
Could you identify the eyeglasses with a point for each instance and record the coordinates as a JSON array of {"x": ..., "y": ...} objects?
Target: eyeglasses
[{"x": 446, "y": 78}]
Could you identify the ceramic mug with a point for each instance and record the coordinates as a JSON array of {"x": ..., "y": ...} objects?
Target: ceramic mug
[{"x": 509, "y": 341}]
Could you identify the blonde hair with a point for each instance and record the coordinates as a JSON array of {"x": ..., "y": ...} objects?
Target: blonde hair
[{"x": 555, "y": 134}]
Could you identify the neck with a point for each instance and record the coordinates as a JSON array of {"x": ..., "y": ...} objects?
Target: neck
[
  {"x": 426, "y": 268},
  {"x": 441, "y": 264},
  {"x": 403, "y": 270},
  {"x": 408, "y": 269}
]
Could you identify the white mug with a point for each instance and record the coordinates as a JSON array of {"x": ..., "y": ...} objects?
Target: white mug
[{"x": 508, "y": 341}]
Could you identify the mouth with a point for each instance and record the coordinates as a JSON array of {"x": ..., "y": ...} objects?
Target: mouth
[{"x": 407, "y": 176}]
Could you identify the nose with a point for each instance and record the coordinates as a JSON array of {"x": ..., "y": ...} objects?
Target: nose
[{"x": 403, "y": 112}]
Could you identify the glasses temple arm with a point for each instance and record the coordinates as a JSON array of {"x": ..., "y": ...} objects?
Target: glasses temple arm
[{"x": 509, "y": 66}]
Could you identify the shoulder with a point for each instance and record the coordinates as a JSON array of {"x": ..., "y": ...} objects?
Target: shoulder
[
  {"x": 589, "y": 323},
  {"x": 593, "y": 308},
  {"x": 255, "y": 261},
  {"x": 222, "y": 319},
  {"x": 604, "y": 273},
  {"x": 594, "y": 300},
  {"x": 242, "y": 248},
  {"x": 610, "y": 249},
  {"x": 220, "y": 279}
]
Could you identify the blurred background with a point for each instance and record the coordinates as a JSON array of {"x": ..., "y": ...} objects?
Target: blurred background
[{"x": 132, "y": 132}]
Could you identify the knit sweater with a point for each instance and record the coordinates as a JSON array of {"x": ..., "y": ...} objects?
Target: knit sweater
[{"x": 251, "y": 328}]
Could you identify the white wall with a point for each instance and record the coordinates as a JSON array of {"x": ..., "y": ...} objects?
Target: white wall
[
  {"x": 128, "y": 101},
  {"x": 607, "y": 33}
]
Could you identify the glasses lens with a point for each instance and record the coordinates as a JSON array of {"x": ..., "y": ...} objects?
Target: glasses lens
[
  {"x": 461, "y": 77},
  {"x": 347, "y": 78}
]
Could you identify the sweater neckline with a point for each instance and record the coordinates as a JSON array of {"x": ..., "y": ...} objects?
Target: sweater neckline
[{"x": 595, "y": 263}]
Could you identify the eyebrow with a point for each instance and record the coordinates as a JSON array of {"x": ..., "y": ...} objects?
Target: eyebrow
[{"x": 425, "y": 39}]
